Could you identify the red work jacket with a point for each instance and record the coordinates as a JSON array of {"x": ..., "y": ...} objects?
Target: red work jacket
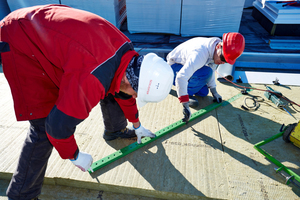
[{"x": 62, "y": 62}]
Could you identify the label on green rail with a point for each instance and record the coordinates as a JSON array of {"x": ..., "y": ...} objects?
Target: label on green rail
[{"x": 146, "y": 140}]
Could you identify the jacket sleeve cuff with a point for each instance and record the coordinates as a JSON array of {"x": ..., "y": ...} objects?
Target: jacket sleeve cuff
[
  {"x": 129, "y": 109},
  {"x": 67, "y": 148},
  {"x": 134, "y": 121},
  {"x": 184, "y": 99}
]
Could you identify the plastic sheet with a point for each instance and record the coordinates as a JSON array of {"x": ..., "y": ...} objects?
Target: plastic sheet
[
  {"x": 225, "y": 70},
  {"x": 148, "y": 16},
  {"x": 210, "y": 17},
  {"x": 113, "y": 11}
]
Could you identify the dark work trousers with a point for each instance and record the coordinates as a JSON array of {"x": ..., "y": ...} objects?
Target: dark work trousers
[
  {"x": 113, "y": 116},
  {"x": 27, "y": 180}
]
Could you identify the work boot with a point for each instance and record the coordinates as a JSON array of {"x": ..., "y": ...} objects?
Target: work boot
[
  {"x": 124, "y": 133},
  {"x": 193, "y": 102}
]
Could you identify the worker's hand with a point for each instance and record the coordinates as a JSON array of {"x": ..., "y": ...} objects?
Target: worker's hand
[
  {"x": 83, "y": 161},
  {"x": 142, "y": 132},
  {"x": 216, "y": 95},
  {"x": 186, "y": 112}
]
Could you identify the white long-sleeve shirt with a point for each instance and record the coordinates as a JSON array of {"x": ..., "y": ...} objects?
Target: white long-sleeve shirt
[{"x": 193, "y": 55}]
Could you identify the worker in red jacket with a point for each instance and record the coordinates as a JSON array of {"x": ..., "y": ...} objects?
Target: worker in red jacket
[{"x": 61, "y": 62}]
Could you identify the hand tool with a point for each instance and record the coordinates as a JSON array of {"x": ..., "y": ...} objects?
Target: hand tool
[{"x": 274, "y": 96}]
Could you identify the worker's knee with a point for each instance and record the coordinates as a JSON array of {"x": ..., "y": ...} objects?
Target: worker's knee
[{"x": 203, "y": 92}]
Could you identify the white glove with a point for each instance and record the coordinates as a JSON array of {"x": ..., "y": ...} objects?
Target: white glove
[
  {"x": 186, "y": 112},
  {"x": 142, "y": 132},
  {"x": 83, "y": 161},
  {"x": 217, "y": 97}
]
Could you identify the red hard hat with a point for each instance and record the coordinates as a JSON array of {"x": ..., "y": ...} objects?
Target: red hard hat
[{"x": 233, "y": 46}]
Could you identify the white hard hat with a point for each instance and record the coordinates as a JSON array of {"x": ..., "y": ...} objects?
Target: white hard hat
[{"x": 155, "y": 80}]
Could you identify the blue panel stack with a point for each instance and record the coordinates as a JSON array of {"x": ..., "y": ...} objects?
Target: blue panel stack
[
  {"x": 4, "y": 9},
  {"x": 280, "y": 18},
  {"x": 149, "y": 16},
  {"x": 248, "y": 3},
  {"x": 16, "y": 4},
  {"x": 279, "y": 12},
  {"x": 112, "y": 10}
]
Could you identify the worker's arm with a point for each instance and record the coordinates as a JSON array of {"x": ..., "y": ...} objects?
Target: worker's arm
[
  {"x": 60, "y": 130},
  {"x": 213, "y": 89},
  {"x": 77, "y": 97},
  {"x": 193, "y": 63},
  {"x": 129, "y": 107},
  {"x": 217, "y": 97}
]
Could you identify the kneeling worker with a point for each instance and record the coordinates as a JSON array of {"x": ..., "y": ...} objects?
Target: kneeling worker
[{"x": 194, "y": 63}]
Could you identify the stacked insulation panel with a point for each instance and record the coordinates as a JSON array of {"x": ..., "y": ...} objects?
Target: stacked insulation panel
[
  {"x": 210, "y": 17},
  {"x": 149, "y": 16}
]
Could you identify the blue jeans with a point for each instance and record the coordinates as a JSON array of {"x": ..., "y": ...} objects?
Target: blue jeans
[{"x": 197, "y": 84}]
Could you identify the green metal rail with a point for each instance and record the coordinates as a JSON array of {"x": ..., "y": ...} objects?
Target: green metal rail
[
  {"x": 146, "y": 140},
  {"x": 292, "y": 174}
]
